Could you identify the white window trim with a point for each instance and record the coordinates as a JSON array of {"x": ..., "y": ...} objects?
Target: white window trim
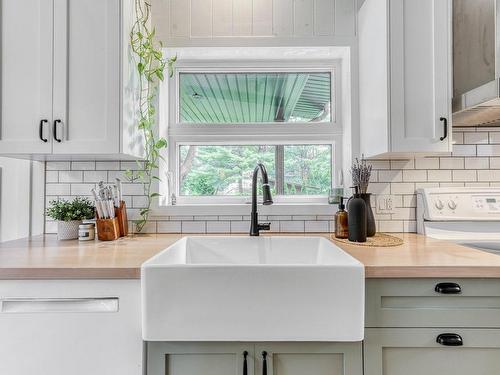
[{"x": 296, "y": 134}]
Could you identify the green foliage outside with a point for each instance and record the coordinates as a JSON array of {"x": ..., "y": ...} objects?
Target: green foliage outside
[{"x": 227, "y": 170}]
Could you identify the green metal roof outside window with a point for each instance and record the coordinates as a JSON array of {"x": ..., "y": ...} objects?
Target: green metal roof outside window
[{"x": 235, "y": 98}]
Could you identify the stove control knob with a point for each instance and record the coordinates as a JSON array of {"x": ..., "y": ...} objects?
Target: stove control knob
[
  {"x": 439, "y": 204},
  {"x": 452, "y": 204}
]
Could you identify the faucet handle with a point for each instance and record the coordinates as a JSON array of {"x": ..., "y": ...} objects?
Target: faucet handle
[{"x": 264, "y": 226}]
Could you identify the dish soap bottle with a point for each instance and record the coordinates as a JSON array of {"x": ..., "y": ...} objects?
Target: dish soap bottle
[
  {"x": 341, "y": 223},
  {"x": 357, "y": 218}
]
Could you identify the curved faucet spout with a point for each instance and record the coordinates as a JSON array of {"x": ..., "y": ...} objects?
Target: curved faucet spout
[{"x": 255, "y": 227}]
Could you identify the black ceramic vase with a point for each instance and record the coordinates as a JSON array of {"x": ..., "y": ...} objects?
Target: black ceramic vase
[
  {"x": 370, "y": 219},
  {"x": 357, "y": 219}
]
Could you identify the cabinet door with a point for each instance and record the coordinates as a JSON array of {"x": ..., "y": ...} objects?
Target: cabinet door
[
  {"x": 420, "y": 70},
  {"x": 308, "y": 358},
  {"x": 76, "y": 327},
  {"x": 207, "y": 358},
  {"x": 416, "y": 352},
  {"x": 87, "y": 76},
  {"x": 26, "y": 76}
]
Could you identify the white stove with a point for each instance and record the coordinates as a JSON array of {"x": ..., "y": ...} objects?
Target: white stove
[{"x": 469, "y": 216}]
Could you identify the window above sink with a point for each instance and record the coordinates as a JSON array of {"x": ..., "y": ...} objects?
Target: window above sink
[{"x": 221, "y": 118}]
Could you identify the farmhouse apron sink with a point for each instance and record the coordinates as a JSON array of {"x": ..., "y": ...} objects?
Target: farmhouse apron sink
[{"x": 252, "y": 289}]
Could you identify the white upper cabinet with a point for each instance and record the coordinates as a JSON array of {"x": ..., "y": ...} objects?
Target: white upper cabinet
[
  {"x": 86, "y": 76},
  {"x": 26, "y": 76},
  {"x": 63, "y": 92},
  {"x": 405, "y": 77}
]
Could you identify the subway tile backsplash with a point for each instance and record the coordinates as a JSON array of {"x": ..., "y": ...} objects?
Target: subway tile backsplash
[{"x": 475, "y": 162}]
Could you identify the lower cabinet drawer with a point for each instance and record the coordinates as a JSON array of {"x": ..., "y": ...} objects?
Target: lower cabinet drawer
[
  {"x": 415, "y": 351},
  {"x": 432, "y": 303}
]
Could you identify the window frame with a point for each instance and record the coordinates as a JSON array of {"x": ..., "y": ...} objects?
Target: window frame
[{"x": 177, "y": 133}]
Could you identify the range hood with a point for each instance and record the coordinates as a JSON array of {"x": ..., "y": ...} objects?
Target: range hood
[{"x": 476, "y": 63}]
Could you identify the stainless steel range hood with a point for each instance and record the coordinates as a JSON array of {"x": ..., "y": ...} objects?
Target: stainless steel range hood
[{"x": 476, "y": 63}]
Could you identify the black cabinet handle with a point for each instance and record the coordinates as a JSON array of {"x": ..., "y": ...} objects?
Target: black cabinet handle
[
  {"x": 264, "y": 363},
  {"x": 245, "y": 366},
  {"x": 445, "y": 125},
  {"x": 54, "y": 130},
  {"x": 450, "y": 339},
  {"x": 448, "y": 288},
  {"x": 40, "y": 130}
]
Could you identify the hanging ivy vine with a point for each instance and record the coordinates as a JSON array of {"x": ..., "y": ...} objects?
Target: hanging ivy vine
[{"x": 150, "y": 64}]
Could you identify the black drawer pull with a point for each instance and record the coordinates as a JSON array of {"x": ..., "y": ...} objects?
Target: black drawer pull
[
  {"x": 54, "y": 130},
  {"x": 264, "y": 363},
  {"x": 245, "y": 366},
  {"x": 445, "y": 128},
  {"x": 450, "y": 339},
  {"x": 448, "y": 288},
  {"x": 40, "y": 130}
]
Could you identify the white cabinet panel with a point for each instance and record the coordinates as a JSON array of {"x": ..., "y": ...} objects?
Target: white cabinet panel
[
  {"x": 87, "y": 78},
  {"x": 420, "y": 71},
  {"x": 62, "y": 89},
  {"x": 26, "y": 76},
  {"x": 73, "y": 335},
  {"x": 405, "y": 77}
]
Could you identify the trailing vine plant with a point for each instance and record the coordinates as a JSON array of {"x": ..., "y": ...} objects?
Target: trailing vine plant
[{"x": 150, "y": 64}]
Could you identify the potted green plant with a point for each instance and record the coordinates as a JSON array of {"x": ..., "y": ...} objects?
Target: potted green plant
[{"x": 69, "y": 215}]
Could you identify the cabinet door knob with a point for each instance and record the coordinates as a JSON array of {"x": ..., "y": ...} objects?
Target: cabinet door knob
[
  {"x": 450, "y": 339},
  {"x": 264, "y": 363},
  {"x": 445, "y": 126},
  {"x": 54, "y": 130},
  {"x": 448, "y": 288},
  {"x": 40, "y": 129},
  {"x": 245, "y": 366}
]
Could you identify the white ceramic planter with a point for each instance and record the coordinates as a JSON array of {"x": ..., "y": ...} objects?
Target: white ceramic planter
[{"x": 68, "y": 230}]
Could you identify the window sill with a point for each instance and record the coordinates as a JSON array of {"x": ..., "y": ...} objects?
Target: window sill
[{"x": 243, "y": 209}]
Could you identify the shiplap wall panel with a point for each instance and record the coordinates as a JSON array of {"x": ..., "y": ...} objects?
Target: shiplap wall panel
[
  {"x": 242, "y": 17},
  {"x": 345, "y": 17},
  {"x": 303, "y": 17},
  {"x": 324, "y": 17},
  {"x": 282, "y": 18},
  {"x": 262, "y": 11},
  {"x": 194, "y": 19},
  {"x": 180, "y": 19},
  {"x": 201, "y": 18},
  {"x": 222, "y": 17}
]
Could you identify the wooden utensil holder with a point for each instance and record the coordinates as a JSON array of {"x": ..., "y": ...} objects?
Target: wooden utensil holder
[
  {"x": 121, "y": 215},
  {"x": 108, "y": 229}
]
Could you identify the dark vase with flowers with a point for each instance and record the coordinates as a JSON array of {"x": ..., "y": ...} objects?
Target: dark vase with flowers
[{"x": 370, "y": 219}]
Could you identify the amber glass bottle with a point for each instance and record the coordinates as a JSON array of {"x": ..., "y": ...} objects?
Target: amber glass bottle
[{"x": 341, "y": 223}]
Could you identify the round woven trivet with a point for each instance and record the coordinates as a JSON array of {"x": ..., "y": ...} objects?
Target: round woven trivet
[{"x": 378, "y": 240}]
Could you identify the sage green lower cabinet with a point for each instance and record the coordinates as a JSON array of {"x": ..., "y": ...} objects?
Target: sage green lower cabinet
[
  {"x": 309, "y": 358},
  {"x": 207, "y": 358},
  {"x": 212, "y": 358},
  {"x": 414, "y": 351}
]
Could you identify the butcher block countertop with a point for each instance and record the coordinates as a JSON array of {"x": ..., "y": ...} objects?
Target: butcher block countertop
[{"x": 43, "y": 257}]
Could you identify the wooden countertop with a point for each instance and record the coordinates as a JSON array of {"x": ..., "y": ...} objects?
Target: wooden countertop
[{"x": 44, "y": 257}]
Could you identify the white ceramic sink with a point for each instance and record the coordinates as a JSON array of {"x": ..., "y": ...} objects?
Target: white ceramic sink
[{"x": 253, "y": 289}]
